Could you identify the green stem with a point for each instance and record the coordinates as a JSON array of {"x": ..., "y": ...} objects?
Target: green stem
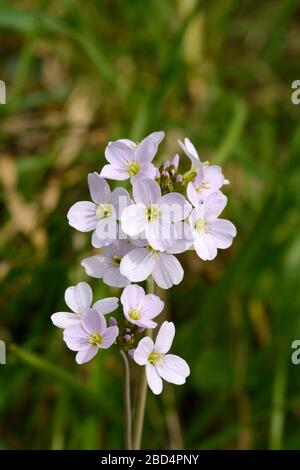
[
  {"x": 127, "y": 400},
  {"x": 142, "y": 389}
]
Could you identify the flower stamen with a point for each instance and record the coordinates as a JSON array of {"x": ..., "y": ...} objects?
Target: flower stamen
[{"x": 95, "y": 339}]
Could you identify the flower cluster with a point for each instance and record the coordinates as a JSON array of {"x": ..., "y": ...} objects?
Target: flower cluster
[{"x": 139, "y": 232}]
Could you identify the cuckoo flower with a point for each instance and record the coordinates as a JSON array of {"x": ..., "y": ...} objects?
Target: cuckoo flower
[
  {"x": 79, "y": 300},
  {"x": 191, "y": 152},
  {"x": 142, "y": 262},
  {"x": 159, "y": 364},
  {"x": 90, "y": 336},
  {"x": 208, "y": 231},
  {"x": 208, "y": 180},
  {"x": 153, "y": 215},
  {"x": 107, "y": 264},
  {"x": 129, "y": 160},
  {"x": 99, "y": 216},
  {"x": 140, "y": 308}
]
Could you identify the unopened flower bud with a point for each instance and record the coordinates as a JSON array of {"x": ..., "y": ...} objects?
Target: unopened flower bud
[
  {"x": 112, "y": 321},
  {"x": 131, "y": 353},
  {"x": 127, "y": 337},
  {"x": 179, "y": 179},
  {"x": 165, "y": 179},
  {"x": 175, "y": 160}
]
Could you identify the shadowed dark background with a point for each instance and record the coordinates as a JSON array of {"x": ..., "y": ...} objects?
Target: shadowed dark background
[{"x": 79, "y": 74}]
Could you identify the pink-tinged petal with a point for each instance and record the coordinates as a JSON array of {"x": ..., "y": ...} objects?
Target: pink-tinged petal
[
  {"x": 113, "y": 173},
  {"x": 99, "y": 188},
  {"x": 128, "y": 142},
  {"x": 112, "y": 277},
  {"x": 152, "y": 306},
  {"x": 148, "y": 147},
  {"x": 200, "y": 176},
  {"x": 205, "y": 247},
  {"x": 147, "y": 170},
  {"x": 79, "y": 297},
  {"x": 76, "y": 338},
  {"x": 107, "y": 229},
  {"x": 183, "y": 238},
  {"x": 120, "y": 199},
  {"x": 134, "y": 220},
  {"x": 175, "y": 207},
  {"x": 164, "y": 338},
  {"x": 86, "y": 354},
  {"x": 143, "y": 350},
  {"x": 214, "y": 205},
  {"x": 192, "y": 194},
  {"x": 167, "y": 270},
  {"x": 153, "y": 379},
  {"x": 119, "y": 154},
  {"x": 65, "y": 319},
  {"x": 98, "y": 243},
  {"x": 222, "y": 232},
  {"x": 214, "y": 177},
  {"x": 146, "y": 192},
  {"x": 137, "y": 265},
  {"x": 145, "y": 323},
  {"x": 82, "y": 216},
  {"x": 160, "y": 234},
  {"x": 132, "y": 296},
  {"x": 109, "y": 337},
  {"x": 95, "y": 266},
  {"x": 94, "y": 322},
  {"x": 173, "y": 369},
  {"x": 107, "y": 305}
]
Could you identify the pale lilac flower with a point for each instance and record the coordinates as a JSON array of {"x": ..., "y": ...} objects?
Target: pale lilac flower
[
  {"x": 152, "y": 215},
  {"x": 209, "y": 232},
  {"x": 208, "y": 181},
  {"x": 79, "y": 299},
  {"x": 191, "y": 152},
  {"x": 159, "y": 364},
  {"x": 140, "y": 308},
  {"x": 129, "y": 160},
  {"x": 142, "y": 262},
  {"x": 90, "y": 336},
  {"x": 99, "y": 216},
  {"x": 107, "y": 264}
]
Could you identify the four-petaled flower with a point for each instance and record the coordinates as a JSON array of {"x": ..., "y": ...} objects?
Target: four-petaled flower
[
  {"x": 99, "y": 216},
  {"x": 153, "y": 215},
  {"x": 208, "y": 232},
  {"x": 159, "y": 364},
  {"x": 107, "y": 265},
  {"x": 90, "y": 336},
  {"x": 129, "y": 160},
  {"x": 140, "y": 308},
  {"x": 209, "y": 180},
  {"x": 79, "y": 299}
]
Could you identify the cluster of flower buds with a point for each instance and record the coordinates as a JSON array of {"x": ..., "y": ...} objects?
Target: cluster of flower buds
[{"x": 139, "y": 229}]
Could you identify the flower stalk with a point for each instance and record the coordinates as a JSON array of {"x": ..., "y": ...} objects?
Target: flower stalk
[{"x": 127, "y": 403}]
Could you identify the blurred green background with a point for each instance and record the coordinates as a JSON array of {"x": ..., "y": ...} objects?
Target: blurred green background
[{"x": 79, "y": 74}]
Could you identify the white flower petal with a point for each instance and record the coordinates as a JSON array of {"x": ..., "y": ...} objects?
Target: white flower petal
[
  {"x": 112, "y": 277},
  {"x": 222, "y": 232},
  {"x": 153, "y": 379},
  {"x": 134, "y": 220},
  {"x": 99, "y": 188},
  {"x": 147, "y": 148},
  {"x": 167, "y": 270},
  {"x": 65, "y": 319},
  {"x": 109, "y": 337},
  {"x": 79, "y": 297},
  {"x": 107, "y": 305},
  {"x": 213, "y": 205},
  {"x": 112, "y": 173},
  {"x": 146, "y": 192},
  {"x": 86, "y": 355},
  {"x": 174, "y": 207},
  {"x": 95, "y": 266},
  {"x": 173, "y": 369},
  {"x": 143, "y": 350},
  {"x": 164, "y": 338},
  {"x": 119, "y": 154},
  {"x": 137, "y": 265},
  {"x": 205, "y": 247},
  {"x": 120, "y": 200},
  {"x": 82, "y": 216}
]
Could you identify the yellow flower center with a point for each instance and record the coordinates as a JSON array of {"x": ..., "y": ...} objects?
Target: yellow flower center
[
  {"x": 104, "y": 210},
  {"x": 202, "y": 186},
  {"x": 133, "y": 168},
  {"x": 95, "y": 339},
  {"x": 134, "y": 314},
  {"x": 116, "y": 260},
  {"x": 152, "y": 212},
  {"x": 200, "y": 225},
  {"x": 155, "y": 357}
]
